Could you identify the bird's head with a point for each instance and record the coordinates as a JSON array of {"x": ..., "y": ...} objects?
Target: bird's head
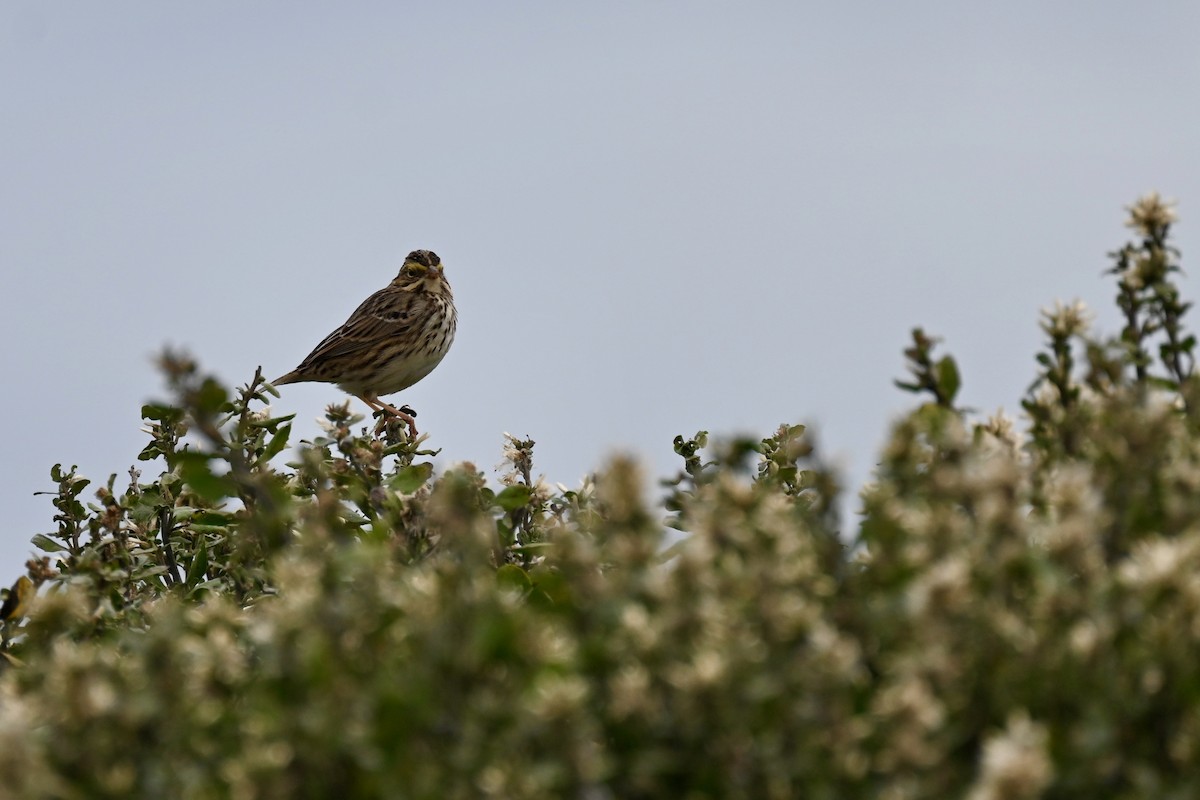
[{"x": 422, "y": 270}]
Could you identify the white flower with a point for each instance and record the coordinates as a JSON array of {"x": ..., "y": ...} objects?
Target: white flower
[
  {"x": 1158, "y": 561},
  {"x": 1064, "y": 321},
  {"x": 1015, "y": 763},
  {"x": 558, "y": 696},
  {"x": 1003, "y": 428},
  {"x": 1151, "y": 213},
  {"x": 629, "y": 691},
  {"x": 943, "y": 585}
]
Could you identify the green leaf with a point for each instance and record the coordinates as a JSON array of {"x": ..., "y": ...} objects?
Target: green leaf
[
  {"x": 162, "y": 413},
  {"x": 211, "y": 397},
  {"x": 223, "y": 530},
  {"x": 271, "y": 424},
  {"x": 212, "y": 584},
  {"x": 149, "y": 572},
  {"x": 199, "y": 564},
  {"x": 948, "y": 379},
  {"x": 46, "y": 543},
  {"x": 510, "y": 576},
  {"x": 150, "y": 452},
  {"x": 182, "y": 513},
  {"x": 277, "y": 443},
  {"x": 212, "y": 518},
  {"x": 1162, "y": 383},
  {"x": 550, "y": 589},
  {"x": 199, "y": 477},
  {"x": 411, "y": 478},
  {"x": 514, "y": 497}
]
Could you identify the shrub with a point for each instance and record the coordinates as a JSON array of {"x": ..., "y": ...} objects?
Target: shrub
[{"x": 1012, "y": 615}]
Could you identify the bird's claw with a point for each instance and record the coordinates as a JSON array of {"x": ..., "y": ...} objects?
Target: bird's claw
[{"x": 387, "y": 415}]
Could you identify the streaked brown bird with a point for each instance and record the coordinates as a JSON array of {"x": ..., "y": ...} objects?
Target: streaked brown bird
[{"x": 391, "y": 341}]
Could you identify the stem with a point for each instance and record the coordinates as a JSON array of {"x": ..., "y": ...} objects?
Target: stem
[{"x": 166, "y": 522}]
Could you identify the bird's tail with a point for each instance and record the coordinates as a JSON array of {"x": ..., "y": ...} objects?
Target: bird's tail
[{"x": 291, "y": 377}]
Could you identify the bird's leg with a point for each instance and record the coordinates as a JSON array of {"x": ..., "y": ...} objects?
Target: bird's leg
[{"x": 406, "y": 414}]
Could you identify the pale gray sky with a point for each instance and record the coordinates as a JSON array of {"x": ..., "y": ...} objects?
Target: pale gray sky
[{"x": 657, "y": 217}]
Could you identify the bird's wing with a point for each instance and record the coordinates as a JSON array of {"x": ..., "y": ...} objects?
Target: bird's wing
[{"x": 383, "y": 315}]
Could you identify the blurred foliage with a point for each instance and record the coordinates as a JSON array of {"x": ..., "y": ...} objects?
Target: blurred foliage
[{"x": 1016, "y": 613}]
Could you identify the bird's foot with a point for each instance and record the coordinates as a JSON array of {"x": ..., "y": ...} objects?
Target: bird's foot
[{"x": 405, "y": 414}]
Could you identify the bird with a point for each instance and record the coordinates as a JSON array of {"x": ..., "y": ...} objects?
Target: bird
[{"x": 394, "y": 339}]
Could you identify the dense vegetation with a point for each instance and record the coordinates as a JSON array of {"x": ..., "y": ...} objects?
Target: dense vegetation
[{"x": 1015, "y": 613}]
